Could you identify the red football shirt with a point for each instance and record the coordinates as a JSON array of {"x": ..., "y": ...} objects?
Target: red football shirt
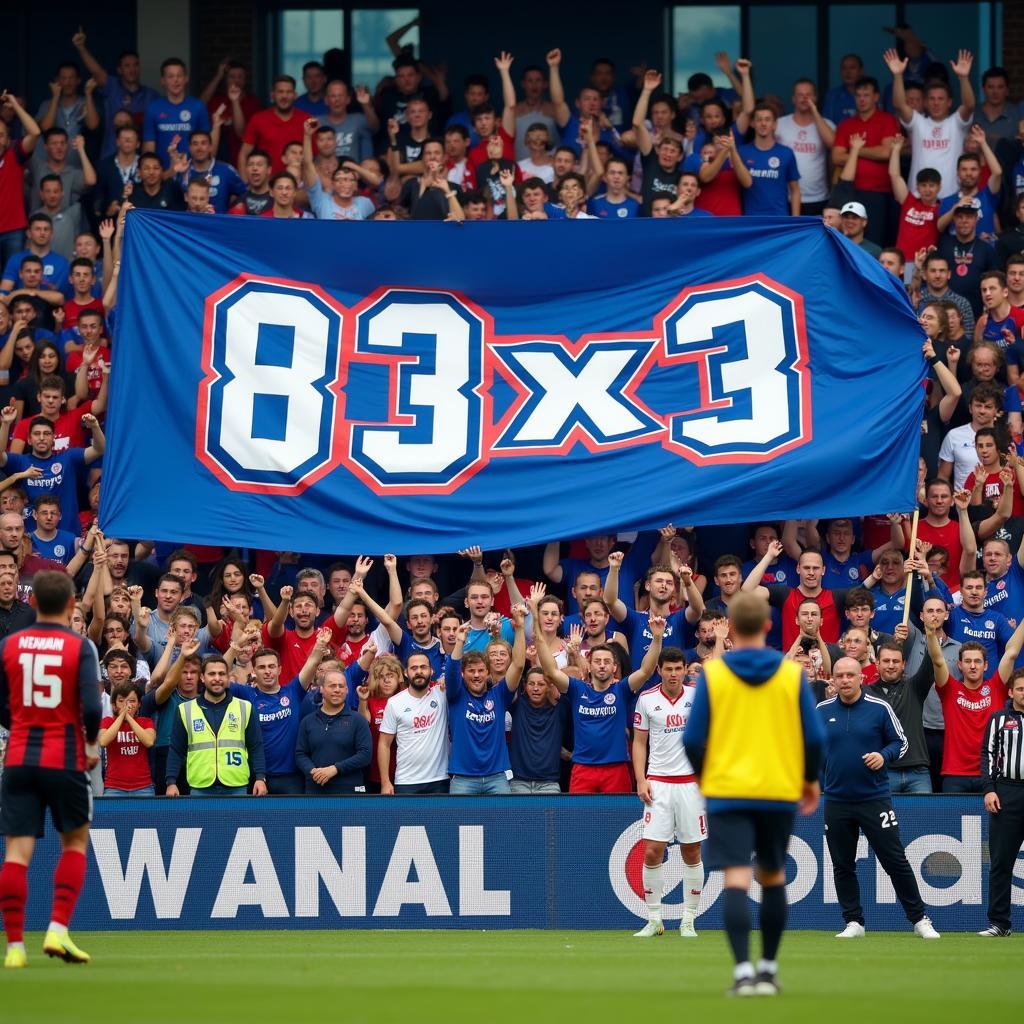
[
  {"x": 12, "y": 189},
  {"x": 478, "y": 154},
  {"x": 267, "y": 131},
  {"x": 127, "y": 759},
  {"x": 918, "y": 226},
  {"x": 67, "y": 431},
  {"x": 49, "y": 681},
  {"x": 829, "y": 617},
  {"x": 872, "y": 175},
  {"x": 74, "y": 309},
  {"x": 947, "y": 536},
  {"x": 966, "y": 713},
  {"x": 294, "y": 649}
]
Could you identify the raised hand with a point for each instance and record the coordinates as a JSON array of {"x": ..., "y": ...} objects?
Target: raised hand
[
  {"x": 474, "y": 553},
  {"x": 519, "y": 615},
  {"x": 503, "y": 62},
  {"x": 256, "y": 581},
  {"x": 8, "y": 415},
  {"x": 90, "y": 87},
  {"x": 858, "y": 142},
  {"x": 363, "y": 693},
  {"x": 78, "y": 39},
  {"x": 507, "y": 179},
  {"x": 286, "y": 593},
  {"x": 775, "y": 548},
  {"x": 963, "y": 63},
  {"x": 392, "y": 128},
  {"x": 508, "y": 567},
  {"x": 743, "y": 66},
  {"x": 657, "y": 624},
  {"x": 667, "y": 532},
  {"x": 554, "y": 58},
  {"x": 362, "y": 95},
  {"x": 575, "y": 641},
  {"x": 537, "y": 592},
  {"x": 615, "y": 559},
  {"x": 310, "y": 126},
  {"x": 962, "y": 500},
  {"x": 652, "y": 80},
  {"x": 106, "y": 229},
  {"x": 896, "y": 64},
  {"x": 721, "y": 628},
  {"x": 363, "y": 566},
  {"x": 135, "y": 594}
]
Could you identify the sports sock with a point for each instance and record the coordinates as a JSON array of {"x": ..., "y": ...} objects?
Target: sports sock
[
  {"x": 653, "y": 891},
  {"x": 774, "y": 911},
  {"x": 67, "y": 884},
  {"x": 736, "y": 916},
  {"x": 693, "y": 880},
  {"x": 13, "y": 894}
]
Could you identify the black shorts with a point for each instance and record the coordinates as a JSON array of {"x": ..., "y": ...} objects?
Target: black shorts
[
  {"x": 736, "y": 836},
  {"x": 26, "y": 793}
]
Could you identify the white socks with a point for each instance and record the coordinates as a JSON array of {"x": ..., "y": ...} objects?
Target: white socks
[
  {"x": 652, "y": 891},
  {"x": 693, "y": 880}
]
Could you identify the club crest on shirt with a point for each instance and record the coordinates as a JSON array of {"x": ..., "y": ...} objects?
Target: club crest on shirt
[
  {"x": 985, "y": 690},
  {"x": 609, "y": 698},
  {"x": 285, "y": 701}
]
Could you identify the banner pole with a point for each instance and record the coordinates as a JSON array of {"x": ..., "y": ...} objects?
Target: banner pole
[{"x": 910, "y": 576}]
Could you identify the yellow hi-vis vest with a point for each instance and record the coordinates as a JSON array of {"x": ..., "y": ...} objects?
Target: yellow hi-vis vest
[
  {"x": 755, "y": 745},
  {"x": 220, "y": 757}
]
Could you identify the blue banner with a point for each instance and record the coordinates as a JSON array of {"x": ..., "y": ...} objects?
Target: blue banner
[
  {"x": 428, "y": 386},
  {"x": 450, "y": 862}
]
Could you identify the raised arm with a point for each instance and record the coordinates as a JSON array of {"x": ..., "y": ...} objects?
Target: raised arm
[
  {"x": 515, "y": 667},
  {"x": 380, "y": 614},
  {"x": 309, "y": 175},
  {"x": 939, "y": 666},
  {"x": 508, "y": 92},
  {"x": 562, "y": 112},
  {"x": 747, "y": 101},
  {"x": 275, "y": 627},
  {"x": 31, "y": 129},
  {"x": 753, "y": 582},
  {"x": 694, "y": 598},
  {"x": 995, "y": 168},
  {"x": 825, "y": 130},
  {"x": 900, "y": 190},
  {"x": 395, "y": 601},
  {"x": 547, "y": 662},
  {"x": 341, "y": 613},
  {"x": 611, "y": 587},
  {"x": 849, "y": 171},
  {"x": 92, "y": 65},
  {"x": 897, "y": 65},
  {"x": 650, "y": 663},
  {"x": 962, "y": 69},
  {"x": 652, "y": 82},
  {"x": 323, "y": 644},
  {"x": 551, "y": 563}
]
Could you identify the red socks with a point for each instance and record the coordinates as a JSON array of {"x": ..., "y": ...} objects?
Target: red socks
[
  {"x": 13, "y": 894},
  {"x": 68, "y": 880}
]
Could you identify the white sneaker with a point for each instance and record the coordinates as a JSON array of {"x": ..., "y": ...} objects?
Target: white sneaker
[
  {"x": 852, "y": 931},
  {"x": 686, "y": 928},
  {"x": 650, "y": 930},
  {"x": 926, "y": 929}
]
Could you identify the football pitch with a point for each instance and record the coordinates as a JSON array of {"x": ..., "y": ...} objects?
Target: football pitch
[{"x": 526, "y": 977}]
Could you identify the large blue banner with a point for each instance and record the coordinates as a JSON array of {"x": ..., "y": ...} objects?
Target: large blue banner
[
  {"x": 450, "y": 862},
  {"x": 427, "y": 386}
]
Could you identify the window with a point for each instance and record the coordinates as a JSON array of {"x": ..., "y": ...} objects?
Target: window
[
  {"x": 305, "y": 36},
  {"x": 371, "y": 57},
  {"x": 698, "y": 33},
  {"x": 783, "y": 47},
  {"x": 957, "y": 25},
  {"x": 860, "y": 29}
]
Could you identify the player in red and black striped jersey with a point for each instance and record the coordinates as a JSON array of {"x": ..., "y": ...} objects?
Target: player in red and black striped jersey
[{"x": 50, "y": 702}]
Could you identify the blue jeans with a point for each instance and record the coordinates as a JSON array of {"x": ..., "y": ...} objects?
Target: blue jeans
[
  {"x": 910, "y": 780},
  {"x": 218, "y": 790},
  {"x": 535, "y": 787},
  {"x": 145, "y": 791},
  {"x": 480, "y": 785}
]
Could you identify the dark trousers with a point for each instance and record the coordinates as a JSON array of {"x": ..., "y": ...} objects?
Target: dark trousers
[
  {"x": 876, "y": 818},
  {"x": 963, "y": 784},
  {"x": 1005, "y": 836},
  {"x": 158, "y": 764},
  {"x": 288, "y": 784},
  {"x": 936, "y": 740},
  {"x": 420, "y": 788}
]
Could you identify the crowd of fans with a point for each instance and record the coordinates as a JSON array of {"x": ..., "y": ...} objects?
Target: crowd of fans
[{"x": 366, "y": 674}]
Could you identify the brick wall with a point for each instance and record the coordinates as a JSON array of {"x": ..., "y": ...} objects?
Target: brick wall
[{"x": 1013, "y": 45}]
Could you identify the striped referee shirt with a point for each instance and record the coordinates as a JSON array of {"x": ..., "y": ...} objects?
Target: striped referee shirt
[{"x": 1002, "y": 750}]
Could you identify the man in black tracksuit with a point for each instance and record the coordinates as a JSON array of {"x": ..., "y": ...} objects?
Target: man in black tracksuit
[
  {"x": 862, "y": 736},
  {"x": 1002, "y": 769}
]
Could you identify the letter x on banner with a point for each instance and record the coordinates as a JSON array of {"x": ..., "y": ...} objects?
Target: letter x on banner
[{"x": 419, "y": 387}]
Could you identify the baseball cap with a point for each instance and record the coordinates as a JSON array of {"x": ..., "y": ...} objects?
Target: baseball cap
[
  {"x": 973, "y": 204},
  {"x": 857, "y": 209}
]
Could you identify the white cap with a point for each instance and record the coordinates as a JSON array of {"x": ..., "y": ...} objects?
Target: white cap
[{"x": 857, "y": 209}]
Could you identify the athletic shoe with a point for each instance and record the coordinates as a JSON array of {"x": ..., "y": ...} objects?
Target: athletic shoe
[
  {"x": 16, "y": 958},
  {"x": 853, "y": 930},
  {"x": 767, "y": 984},
  {"x": 742, "y": 987},
  {"x": 926, "y": 929},
  {"x": 61, "y": 946},
  {"x": 686, "y": 929},
  {"x": 993, "y": 931},
  {"x": 650, "y": 930}
]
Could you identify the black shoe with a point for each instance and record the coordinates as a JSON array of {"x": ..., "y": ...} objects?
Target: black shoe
[
  {"x": 767, "y": 984},
  {"x": 993, "y": 931},
  {"x": 742, "y": 987}
]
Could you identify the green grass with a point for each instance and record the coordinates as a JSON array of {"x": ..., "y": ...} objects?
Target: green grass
[{"x": 492, "y": 977}]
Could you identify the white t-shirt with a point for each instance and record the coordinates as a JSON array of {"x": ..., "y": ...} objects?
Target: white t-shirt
[
  {"x": 665, "y": 720},
  {"x": 546, "y": 172},
  {"x": 420, "y": 728},
  {"x": 936, "y": 144},
  {"x": 811, "y": 153},
  {"x": 958, "y": 448}
]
